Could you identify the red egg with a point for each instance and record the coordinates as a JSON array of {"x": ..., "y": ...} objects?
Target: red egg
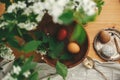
[{"x": 62, "y": 33}]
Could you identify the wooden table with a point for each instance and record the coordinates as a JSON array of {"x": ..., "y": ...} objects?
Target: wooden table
[{"x": 109, "y": 17}]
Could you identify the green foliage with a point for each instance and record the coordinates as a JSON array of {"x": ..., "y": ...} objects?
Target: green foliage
[
  {"x": 31, "y": 17},
  {"x": 31, "y": 46},
  {"x": 18, "y": 0},
  {"x": 10, "y": 38},
  {"x": 19, "y": 32},
  {"x": 100, "y": 3},
  {"x": 48, "y": 78},
  {"x": 34, "y": 76},
  {"x": 42, "y": 36},
  {"x": 14, "y": 43},
  {"x": 66, "y": 56},
  {"x": 27, "y": 37},
  {"x": 22, "y": 18},
  {"x": 7, "y": 2},
  {"x": 61, "y": 69},
  {"x": 79, "y": 34},
  {"x": 55, "y": 49},
  {"x": 9, "y": 16},
  {"x": 10, "y": 26},
  {"x": 26, "y": 65},
  {"x": 67, "y": 17},
  {"x": 82, "y": 18}
]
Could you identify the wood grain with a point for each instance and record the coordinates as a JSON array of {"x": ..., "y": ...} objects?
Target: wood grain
[{"x": 109, "y": 17}]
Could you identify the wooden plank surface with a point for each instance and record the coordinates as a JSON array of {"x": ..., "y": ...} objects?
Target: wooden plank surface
[{"x": 109, "y": 17}]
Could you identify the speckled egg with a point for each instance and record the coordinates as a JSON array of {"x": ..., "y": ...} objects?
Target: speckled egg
[
  {"x": 73, "y": 48},
  {"x": 104, "y": 36},
  {"x": 108, "y": 51}
]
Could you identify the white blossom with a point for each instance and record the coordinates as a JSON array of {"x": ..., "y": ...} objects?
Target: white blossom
[
  {"x": 89, "y": 6},
  {"x": 9, "y": 77},
  {"x": 3, "y": 24},
  {"x": 6, "y": 53},
  {"x": 48, "y": 4},
  {"x": 26, "y": 74},
  {"x": 27, "y": 11},
  {"x": 39, "y": 17},
  {"x": 15, "y": 6},
  {"x": 21, "y": 4},
  {"x": 9, "y": 56},
  {"x": 16, "y": 70},
  {"x": 41, "y": 52},
  {"x": 33, "y": 1},
  {"x": 38, "y": 7},
  {"x": 28, "y": 25},
  {"x": 11, "y": 8},
  {"x": 54, "y": 8},
  {"x": 57, "y": 8}
]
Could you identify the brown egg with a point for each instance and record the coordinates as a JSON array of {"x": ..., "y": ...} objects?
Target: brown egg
[
  {"x": 73, "y": 48},
  {"x": 104, "y": 36}
]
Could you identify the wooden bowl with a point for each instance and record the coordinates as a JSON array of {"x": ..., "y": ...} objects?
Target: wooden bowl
[{"x": 49, "y": 27}]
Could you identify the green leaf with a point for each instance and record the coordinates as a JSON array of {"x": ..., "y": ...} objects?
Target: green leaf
[
  {"x": 67, "y": 17},
  {"x": 66, "y": 56},
  {"x": 79, "y": 34},
  {"x": 14, "y": 43},
  {"x": 32, "y": 17},
  {"x": 9, "y": 16},
  {"x": 18, "y": 0},
  {"x": 28, "y": 64},
  {"x": 27, "y": 37},
  {"x": 10, "y": 26},
  {"x": 41, "y": 36},
  {"x": 61, "y": 69},
  {"x": 55, "y": 49},
  {"x": 100, "y": 3},
  {"x": 34, "y": 76},
  {"x": 87, "y": 19},
  {"x": 31, "y": 46},
  {"x": 48, "y": 78},
  {"x": 22, "y": 18},
  {"x": 19, "y": 32},
  {"x": 82, "y": 18},
  {"x": 19, "y": 61}
]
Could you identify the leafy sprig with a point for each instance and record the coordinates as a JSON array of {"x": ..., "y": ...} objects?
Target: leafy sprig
[
  {"x": 100, "y": 3},
  {"x": 61, "y": 69},
  {"x": 23, "y": 69}
]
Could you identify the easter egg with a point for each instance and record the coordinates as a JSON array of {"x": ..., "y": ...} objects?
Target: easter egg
[
  {"x": 108, "y": 51},
  {"x": 104, "y": 36},
  {"x": 62, "y": 34},
  {"x": 73, "y": 48}
]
